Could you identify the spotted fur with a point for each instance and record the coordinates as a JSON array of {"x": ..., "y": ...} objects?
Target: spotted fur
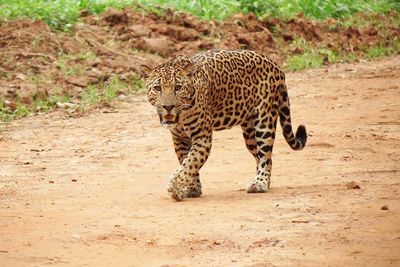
[{"x": 217, "y": 90}]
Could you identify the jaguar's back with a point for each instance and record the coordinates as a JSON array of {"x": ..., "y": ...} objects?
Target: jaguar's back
[{"x": 239, "y": 82}]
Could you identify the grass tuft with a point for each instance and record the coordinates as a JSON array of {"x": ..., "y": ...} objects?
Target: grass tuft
[
  {"x": 308, "y": 57},
  {"x": 17, "y": 111},
  {"x": 382, "y": 51}
]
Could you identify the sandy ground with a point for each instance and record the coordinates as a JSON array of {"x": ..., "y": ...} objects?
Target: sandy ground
[{"x": 91, "y": 191}]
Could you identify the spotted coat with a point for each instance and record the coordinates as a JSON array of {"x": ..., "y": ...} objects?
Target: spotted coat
[{"x": 216, "y": 90}]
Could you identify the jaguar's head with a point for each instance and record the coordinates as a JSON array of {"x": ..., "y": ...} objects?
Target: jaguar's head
[{"x": 170, "y": 89}]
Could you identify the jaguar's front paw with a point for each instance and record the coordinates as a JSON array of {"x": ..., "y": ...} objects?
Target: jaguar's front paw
[
  {"x": 171, "y": 180},
  {"x": 180, "y": 193},
  {"x": 195, "y": 187},
  {"x": 195, "y": 191},
  {"x": 179, "y": 185},
  {"x": 258, "y": 185},
  {"x": 170, "y": 186}
]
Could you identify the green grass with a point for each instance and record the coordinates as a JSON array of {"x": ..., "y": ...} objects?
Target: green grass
[
  {"x": 8, "y": 114},
  {"x": 58, "y": 14},
  {"x": 315, "y": 9},
  {"x": 69, "y": 63},
  {"x": 313, "y": 57},
  {"x": 105, "y": 93},
  {"x": 39, "y": 104},
  {"x": 70, "y": 70},
  {"x": 90, "y": 96},
  {"x": 62, "y": 14},
  {"x": 382, "y": 51},
  {"x": 304, "y": 61},
  {"x": 322, "y": 9},
  {"x": 308, "y": 56}
]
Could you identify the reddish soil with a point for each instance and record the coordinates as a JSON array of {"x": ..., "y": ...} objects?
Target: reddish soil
[
  {"x": 91, "y": 191},
  {"x": 33, "y": 61}
]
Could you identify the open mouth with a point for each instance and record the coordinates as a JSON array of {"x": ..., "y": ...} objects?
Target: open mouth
[{"x": 169, "y": 119}]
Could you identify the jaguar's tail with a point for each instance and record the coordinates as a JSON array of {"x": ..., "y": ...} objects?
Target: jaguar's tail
[{"x": 295, "y": 142}]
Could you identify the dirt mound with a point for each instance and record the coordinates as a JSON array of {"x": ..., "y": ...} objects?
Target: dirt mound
[
  {"x": 35, "y": 37},
  {"x": 180, "y": 33},
  {"x": 28, "y": 50},
  {"x": 37, "y": 61}
]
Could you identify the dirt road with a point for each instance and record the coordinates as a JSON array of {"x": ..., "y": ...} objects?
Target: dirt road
[{"x": 91, "y": 191}]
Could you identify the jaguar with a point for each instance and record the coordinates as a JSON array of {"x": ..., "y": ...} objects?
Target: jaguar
[{"x": 216, "y": 90}]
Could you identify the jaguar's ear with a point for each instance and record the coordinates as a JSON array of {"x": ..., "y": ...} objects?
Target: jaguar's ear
[
  {"x": 190, "y": 69},
  {"x": 145, "y": 71}
]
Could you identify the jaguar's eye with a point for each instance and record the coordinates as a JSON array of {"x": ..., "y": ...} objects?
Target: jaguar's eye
[
  {"x": 157, "y": 88},
  {"x": 178, "y": 87}
]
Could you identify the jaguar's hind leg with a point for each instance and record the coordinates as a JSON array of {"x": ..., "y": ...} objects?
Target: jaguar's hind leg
[
  {"x": 249, "y": 135},
  {"x": 264, "y": 126}
]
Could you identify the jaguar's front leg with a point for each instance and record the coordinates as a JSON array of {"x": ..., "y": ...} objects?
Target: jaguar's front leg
[
  {"x": 184, "y": 181},
  {"x": 182, "y": 146}
]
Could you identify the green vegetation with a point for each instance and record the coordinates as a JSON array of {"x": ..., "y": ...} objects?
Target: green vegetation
[
  {"x": 308, "y": 57},
  {"x": 8, "y": 114},
  {"x": 105, "y": 93},
  {"x": 315, "y": 9},
  {"x": 312, "y": 57},
  {"x": 62, "y": 14},
  {"x": 39, "y": 104},
  {"x": 68, "y": 65},
  {"x": 382, "y": 51},
  {"x": 322, "y": 9},
  {"x": 58, "y": 14},
  {"x": 68, "y": 70},
  {"x": 101, "y": 94}
]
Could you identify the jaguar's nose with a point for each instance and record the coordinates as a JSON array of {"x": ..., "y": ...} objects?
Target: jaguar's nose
[{"x": 168, "y": 107}]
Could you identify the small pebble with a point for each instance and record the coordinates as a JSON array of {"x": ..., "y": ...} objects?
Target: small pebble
[
  {"x": 352, "y": 185},
  {"x": 76, "y": 236}
]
